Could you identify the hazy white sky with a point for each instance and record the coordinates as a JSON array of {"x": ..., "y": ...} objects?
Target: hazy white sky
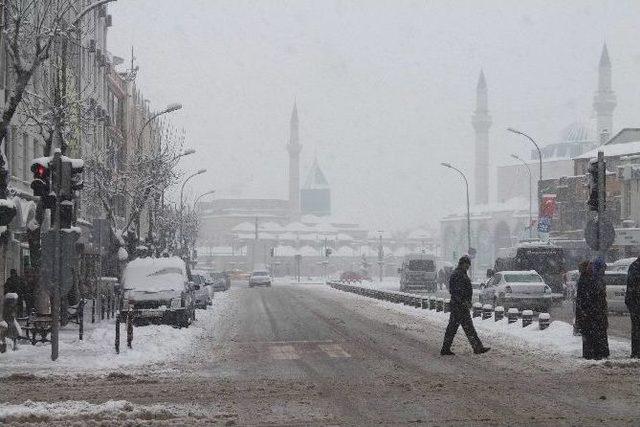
[{"x": 385, "y": 89}]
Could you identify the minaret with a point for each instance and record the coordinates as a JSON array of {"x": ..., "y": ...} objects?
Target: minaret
[
  {"x": 294, "y": 149},
  {"x": 604, "y": 101},
  {"x": 481, "y": 121}
]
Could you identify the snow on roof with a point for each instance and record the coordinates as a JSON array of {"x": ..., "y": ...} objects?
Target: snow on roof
[
  {"x": 297, "y": 226},
  {"x": 344, "y": 237},
  {"x": 244, "y": 226},
  {"x": 308, "y": 251},
  {"x": 613, "y": 150},
  {"x": 285, "y": 250},
  {"x": 155, "y": 274},
  {"x": 271, "y": 226},
  {"x": 311, "y": 237}
]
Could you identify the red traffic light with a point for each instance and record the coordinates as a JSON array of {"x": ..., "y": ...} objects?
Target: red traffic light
[{"x": 39, "y": 171}]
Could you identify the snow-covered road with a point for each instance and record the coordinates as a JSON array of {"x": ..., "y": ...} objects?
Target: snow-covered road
[{"x": 312, "y": 355}]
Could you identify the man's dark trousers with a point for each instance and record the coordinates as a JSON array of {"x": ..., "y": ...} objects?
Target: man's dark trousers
[
  {"x": 460, "y": 316},
  {"x": 635, "y": 333}
]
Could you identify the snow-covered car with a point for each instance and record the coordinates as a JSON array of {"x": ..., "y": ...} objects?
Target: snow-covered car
[
  {"x": 616, "y": 285},
  {"x": 524, "y": 290},
  {"x": 157, "y": 291},
  {"x": 570, "y": 284},
  {"x": 260, "y": 278},
  {"x": 202, "y": 291}
]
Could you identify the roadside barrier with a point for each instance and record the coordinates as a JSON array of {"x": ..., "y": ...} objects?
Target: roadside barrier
[
  {"x": 485, "y": 311},
  {"x": 512, "y": 315},
  {"x": 544, "y": 320},
  {"x": 527, "y": 318},
  {"x": 476, "y": 310}
]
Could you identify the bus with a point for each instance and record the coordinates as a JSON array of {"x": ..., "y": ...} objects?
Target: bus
[{"x": 546, "y": 259}]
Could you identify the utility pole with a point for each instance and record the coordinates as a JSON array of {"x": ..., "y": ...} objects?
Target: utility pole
[{"x": 602, "y": 200}]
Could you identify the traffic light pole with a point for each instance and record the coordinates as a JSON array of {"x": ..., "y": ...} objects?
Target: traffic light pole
[
  {"x": 602, "y": 200},
  {"x": 55, "y": 306}
]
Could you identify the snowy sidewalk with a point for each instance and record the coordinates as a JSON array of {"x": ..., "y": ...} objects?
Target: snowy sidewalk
[{"x": 96, "y": 353}]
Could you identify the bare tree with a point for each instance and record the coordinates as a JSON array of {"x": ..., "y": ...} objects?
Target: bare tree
[{"x": 30, "y": 29}]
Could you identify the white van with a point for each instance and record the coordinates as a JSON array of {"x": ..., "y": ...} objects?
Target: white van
[
  {"x": 418, "y": 272},
  {"x": 157, "y": 291}
]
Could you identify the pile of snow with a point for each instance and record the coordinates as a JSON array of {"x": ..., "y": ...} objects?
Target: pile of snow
[
  {"x": 81, "y": 411},
  {"x": 96, "y": 353}
]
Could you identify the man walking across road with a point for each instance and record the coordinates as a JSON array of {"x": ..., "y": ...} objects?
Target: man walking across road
[
  {"x": 632, "y": 300},
  {"x": 461, "y": 295}
]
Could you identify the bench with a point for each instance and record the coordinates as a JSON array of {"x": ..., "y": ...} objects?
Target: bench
[{"x": 39, "y": 324}]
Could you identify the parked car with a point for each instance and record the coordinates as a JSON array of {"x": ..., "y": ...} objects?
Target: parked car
[
  {"x": 202, "y": 290},
  {"x": 352, "y": 276},
  {"x": 616, "y": 285},
  {"x": 260, "y": 278},
  {"x": 157, "y": 291},
  {"x": 621, "y": 265},
  {"x": 520, "y": 289},
  {"x": 220, "y": 281}
]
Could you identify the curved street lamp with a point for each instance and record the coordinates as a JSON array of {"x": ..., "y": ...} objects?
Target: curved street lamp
[
  {"x": 448, "y": 165},
  {"x": 199, "y": 172},
  {"x": 200, "y": 196},
  {"x": 530, "y": 184},
  {"x": 169, "y": 108},
  {"x": 512, "y": 130}
]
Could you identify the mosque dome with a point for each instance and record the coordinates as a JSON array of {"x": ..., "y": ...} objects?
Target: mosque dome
[{"x": 578, "y": 133}]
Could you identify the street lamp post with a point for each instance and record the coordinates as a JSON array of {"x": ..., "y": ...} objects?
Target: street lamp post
[
  {"x": 201, "y": 196},
  {"x": 169, "y": 108},
  {"x": 530, "y": 193},
  {"x": 448, "y": 165},
  {"x": 201, "y": 171},
  {"x": 380, "y": 254}
]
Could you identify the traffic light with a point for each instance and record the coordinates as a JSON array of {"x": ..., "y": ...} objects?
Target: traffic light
[
  {"x": 66, "y": 214},
  {"x": 327, "y": 252},
  {"x": 594, "y": 182},
  {"x": 41, "y": 180},
  {"x": 272, "y": 251},
  {"x": 71, "y": 179}
]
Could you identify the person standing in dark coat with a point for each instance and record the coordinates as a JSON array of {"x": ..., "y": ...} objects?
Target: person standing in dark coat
[
  {"x": 461, "y": 294},
  {"x": 632, "y": 300},
  {"x": 592, "y": 312}
]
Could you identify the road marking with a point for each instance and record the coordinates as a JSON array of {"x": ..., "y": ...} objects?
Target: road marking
[
  {"x": 334, "y": 350},
  {"x": 285, "y": 342},
  {"x": 283, "y": 352}
]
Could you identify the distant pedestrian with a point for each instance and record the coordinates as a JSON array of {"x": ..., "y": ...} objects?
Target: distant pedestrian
[
  {"x": 461, "y": 294},
  {"x": 592, "y": 311},
  {"x": 632, "y": 299},
  {"x": 15, "y": 284}
]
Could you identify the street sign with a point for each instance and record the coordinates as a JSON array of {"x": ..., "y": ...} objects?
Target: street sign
[
  {"x": 472, "y": 253},
  {"x": 591, "y": 235},
  {"x": 627, "y": 237},
  {"x": 544, "y": 224},
  {"x": 67, "y": 252}
]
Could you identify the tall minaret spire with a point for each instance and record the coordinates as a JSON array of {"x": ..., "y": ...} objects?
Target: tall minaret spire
[
  {"x": 481, "y": 121},
  {"x": 294, "y": 149},
  {"x": 604, "y": 101}
]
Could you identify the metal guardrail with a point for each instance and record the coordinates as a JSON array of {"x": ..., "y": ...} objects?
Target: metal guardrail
[{"x": 486, "y": 311}]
